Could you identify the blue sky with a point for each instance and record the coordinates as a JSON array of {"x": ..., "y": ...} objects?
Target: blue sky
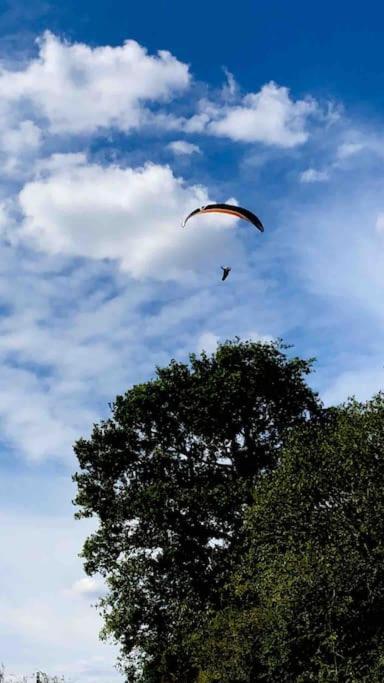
[{"x": 114, "y": 124}]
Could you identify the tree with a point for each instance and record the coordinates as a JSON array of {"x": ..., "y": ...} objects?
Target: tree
[
  {"x": 307, "y": 603},
  {"x": 39, "y": 677},
  {"x": 169, "y": 477}
]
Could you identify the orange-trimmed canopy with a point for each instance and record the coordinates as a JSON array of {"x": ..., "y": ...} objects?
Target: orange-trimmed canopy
[{"x": 230, "y": 209}]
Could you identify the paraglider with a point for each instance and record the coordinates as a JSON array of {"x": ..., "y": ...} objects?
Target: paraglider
[{"x": 230, "y": 209}]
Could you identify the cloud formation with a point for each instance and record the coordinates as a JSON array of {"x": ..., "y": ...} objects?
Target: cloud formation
[
  {"x": 39, "y": 610},
  {"x": 74, "y": 88},
  {"x": 311, "y": 175},
  {"x": 269, "y": 116},
  {"x": 183, "y": 147},
  {"x": 130, "y": 215},
  {"x": 88, "y": 586},
  {"x": 99, "y": 283}
]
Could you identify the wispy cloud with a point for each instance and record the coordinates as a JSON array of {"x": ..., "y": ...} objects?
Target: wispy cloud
[
  {"x": 311, "y": 175},
  {"x": 349, "y": 149},
  {"x": 39, "y": 610},
  {"x": 183, "y": 147},
  {"x": 73, "y": 334}
]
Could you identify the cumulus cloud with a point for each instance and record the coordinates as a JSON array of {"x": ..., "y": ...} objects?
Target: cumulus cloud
[
  {"x": 183, "y": 147},
  {"x": 58, "y": 162},
  {"x": 269, "y": 116},
  {"x": 27, "y": 136},
  {"x": 20, "y": 142},
  {"x": 131, "y": 215},
  {"x": 79, "y": 89},
  {"x": 72, "y": 88}
]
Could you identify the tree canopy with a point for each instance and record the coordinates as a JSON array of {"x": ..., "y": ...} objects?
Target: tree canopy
[
  {"x": 307, "y": 601},
  {"x": 169, "y": 477}
]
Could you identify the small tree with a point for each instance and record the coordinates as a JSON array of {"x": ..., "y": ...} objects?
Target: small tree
[
  {"x": 39, "y": 677},
  {"x": 42, "y": 677},
  {"x": 169, "y": 477}
]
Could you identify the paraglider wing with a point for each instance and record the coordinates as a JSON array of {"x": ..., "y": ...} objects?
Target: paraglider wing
[
  {"x": 193, "y": 213},
  {"x": 231, "y": 210}
]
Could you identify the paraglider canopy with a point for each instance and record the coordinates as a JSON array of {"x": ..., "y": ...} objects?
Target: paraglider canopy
[{"x": 230, "y": 209}]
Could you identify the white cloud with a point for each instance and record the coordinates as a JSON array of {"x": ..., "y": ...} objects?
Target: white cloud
[
  {"x": 58, "y": 162},
  {"x": 130, "y": 215},
  {"x": 342, "y": 255},
  {"x": 183, "y": 147},
  {"x": 19, "y": 144},
  {"x": 79, "y": 89},
  {"x": 361, "y": 383},
  {"x": 348, "y": 149},
  {"x": 36, "y": 413},
  {"x": 257, "y": 337},
  {"x": 27, "y": 136},
  {"x": 88, "y": 586},
  {"x": 230, "y": 88},
  {"x": 38, "y": 613},
  {"x": 269, "y": 116},
  {"x": 73, "y": 334},
  {"x": 197, "y": 123},
  {"x": 311, "y": 175},
  {"x": 74, "y": 89},
  {"x": 334, "y": 258},
  {"x": 345, "y": 149},
  {"x": 207, "y": 341}
]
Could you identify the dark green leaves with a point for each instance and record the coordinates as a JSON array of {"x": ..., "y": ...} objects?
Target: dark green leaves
[
  {"x": 169, "y": 478},
  {"x": 310, "y": 588}
]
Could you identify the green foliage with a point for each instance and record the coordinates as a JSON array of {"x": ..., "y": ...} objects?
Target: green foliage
[
  {"x": 169, "y": 477},
  {"x": 307, "y": 603}
]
